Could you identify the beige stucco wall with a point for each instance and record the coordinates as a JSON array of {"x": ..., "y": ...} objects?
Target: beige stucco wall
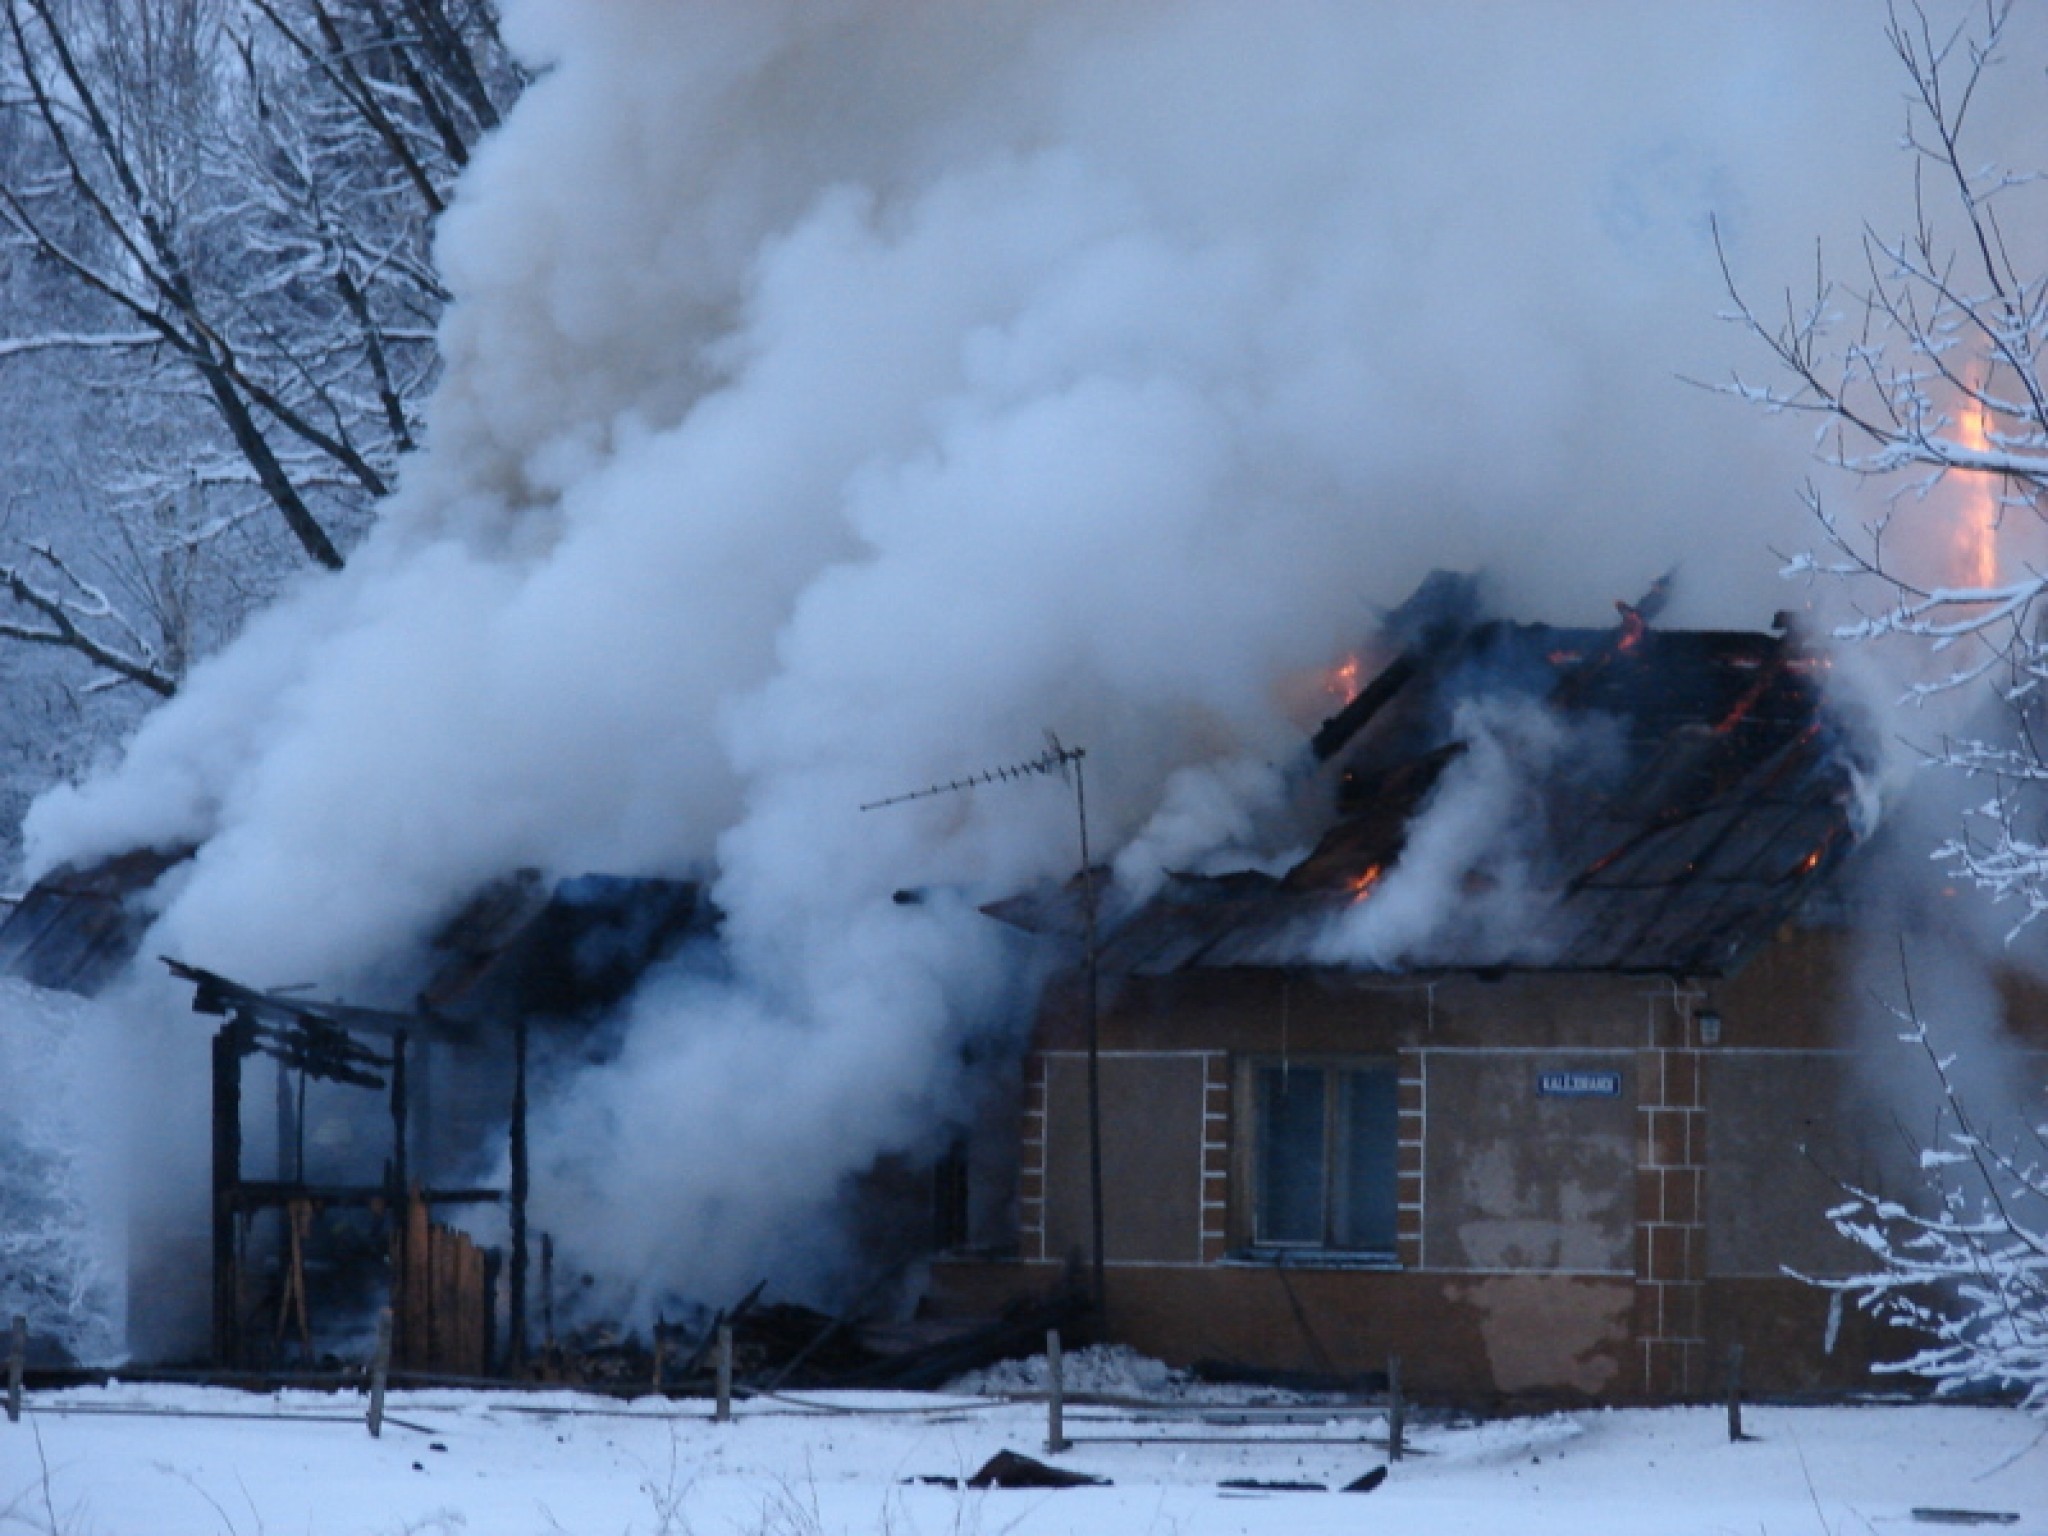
[
  {"x": 1516, "y": 1181},
  {"x": 1151, "y": 1157}
]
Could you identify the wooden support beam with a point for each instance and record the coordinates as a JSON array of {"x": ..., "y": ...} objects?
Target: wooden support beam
[
  {"x": 516, "y": 1344},
  {"x": 287, "y": 1125},
  {"x": 264, "y": 1194},
  {"x": 229, "y": 1045}
]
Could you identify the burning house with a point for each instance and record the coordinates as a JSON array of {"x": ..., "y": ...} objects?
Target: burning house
[
  {"x": 836, "y": 397},
  {"x": 1533, "y": 1071},
  {"x": 1529, "y": 1064}
]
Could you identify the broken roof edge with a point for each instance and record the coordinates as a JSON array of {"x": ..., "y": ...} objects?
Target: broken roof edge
[
  {"x": 220, "y": 997},
  {"x": 82, "y": 923}
]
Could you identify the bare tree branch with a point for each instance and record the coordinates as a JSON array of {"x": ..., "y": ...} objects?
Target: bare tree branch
[{"x": 64, "y": 620}]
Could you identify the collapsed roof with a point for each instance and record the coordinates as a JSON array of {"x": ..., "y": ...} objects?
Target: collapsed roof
[
  {"x": 81, "y": 924},
  {"x": 567, "y": 951},
  {"x": 1679, "y": 796}
]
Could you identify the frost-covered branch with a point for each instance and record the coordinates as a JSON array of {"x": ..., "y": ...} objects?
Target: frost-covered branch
[
  {"x": 1964, "y": 1266},
  {"x": 70, "y": 612},
  {"x": 62, "y": 341}
]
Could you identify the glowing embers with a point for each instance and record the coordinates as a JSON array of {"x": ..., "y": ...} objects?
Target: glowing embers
[
  {"x": 1813, "y": 861},
  {"x": 1361, "y": 885},
  {"x": 1633, "y": 627},
  {"x": 1344, "y": 681}
]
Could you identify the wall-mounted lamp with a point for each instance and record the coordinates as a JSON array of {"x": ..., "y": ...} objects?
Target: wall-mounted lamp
[{"x": 1710, "y": 1028}]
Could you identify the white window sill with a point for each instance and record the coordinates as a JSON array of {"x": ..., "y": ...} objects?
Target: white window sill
[{"x": 1310, "y": 1258}]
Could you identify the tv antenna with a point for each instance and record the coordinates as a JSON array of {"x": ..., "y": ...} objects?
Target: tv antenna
[{"x": 1065, "y": 762}]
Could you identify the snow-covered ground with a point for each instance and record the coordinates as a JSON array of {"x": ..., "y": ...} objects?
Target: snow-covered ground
[{"x": 89, "y": 1461}]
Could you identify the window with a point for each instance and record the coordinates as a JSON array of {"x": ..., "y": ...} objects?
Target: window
[{"x": 1324, "y": 1167}]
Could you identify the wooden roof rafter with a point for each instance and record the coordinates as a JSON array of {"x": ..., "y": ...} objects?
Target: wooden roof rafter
[{"x": 317, "y": 1018}]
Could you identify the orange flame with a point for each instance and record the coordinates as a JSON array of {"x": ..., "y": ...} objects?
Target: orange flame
[
  {"x": 1976, "y": 542},
  {"x": 1633, "y": 626},
  {"x": 1342, "y": 682},
  {"x": 1361, "y": 885}
]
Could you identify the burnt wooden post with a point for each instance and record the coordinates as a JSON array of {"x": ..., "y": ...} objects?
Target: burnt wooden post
[
  {"x": 1397, "y": 1411},
  {"x": 17, "y": 1362},
  {"x": 227, "y": 1178},
  {"x": 287, "y": 1128},
  {"x": 400, "y": 1195},
  {"x": 516, "y": 1345},
  {"x": 380, "y": 1371},
  {"x": 723, "y": 1412},
  {"x": 1055, "y": 1396}
]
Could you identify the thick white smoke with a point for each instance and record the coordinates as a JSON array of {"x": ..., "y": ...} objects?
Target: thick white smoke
[
  {"x": 840, "y": 394},
  {"x": 1472, "y": 878}
]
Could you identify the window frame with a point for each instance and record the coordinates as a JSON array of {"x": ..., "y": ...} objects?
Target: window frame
[{"x": 1338, "y": 1129}]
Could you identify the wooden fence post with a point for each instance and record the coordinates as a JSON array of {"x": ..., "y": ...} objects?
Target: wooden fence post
[
  {"x": 1397, "y": 1410},
  {"x": 17, "y": 1362},
  {"x": 723, "y": 1413},
  {"x": 1735, "y": 1393},
  {"x": 1056, "y": 1396},
  {"x": 380, "y": 1369}
]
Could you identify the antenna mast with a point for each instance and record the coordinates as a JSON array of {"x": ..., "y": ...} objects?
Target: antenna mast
[{"x": 1057, "y": 758}]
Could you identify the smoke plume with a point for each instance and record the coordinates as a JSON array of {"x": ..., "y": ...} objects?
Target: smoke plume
[{"x": 839, "y": 395}]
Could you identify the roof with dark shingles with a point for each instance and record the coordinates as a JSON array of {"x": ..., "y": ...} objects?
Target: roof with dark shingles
[{"x": 1728, "y": 798}]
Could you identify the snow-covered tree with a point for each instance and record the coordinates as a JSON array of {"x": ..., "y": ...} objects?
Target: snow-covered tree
[
  {"x": 1924, "y": 378},
  {"x": 217, "y": 320},
  {"x": 227, "y": 206},
  {"x": 1965, "y": 1267}
]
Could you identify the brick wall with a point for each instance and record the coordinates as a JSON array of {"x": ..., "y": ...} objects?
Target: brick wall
[
  {"x": 1671, "y": 1239},
  {"x": 1413, "y": 1068}
]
